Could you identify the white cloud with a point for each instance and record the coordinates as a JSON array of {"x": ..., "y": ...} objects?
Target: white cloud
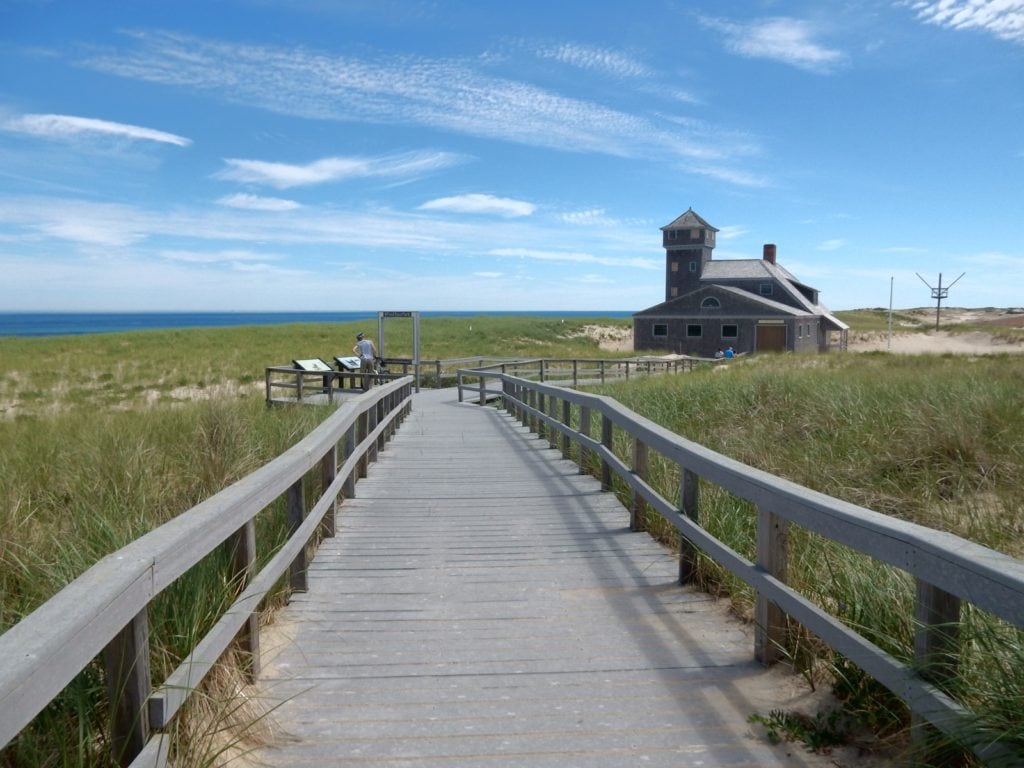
[
  {"x": 779, "y": 39},
  {"x": 731, "y": 232},
  {"x": 831, "y": 245},
  {"x": 257, "y": 203},
  {"x": 731, "y": 175},
  {"x": 287, "y": 175},
  {"x": 595, "y": 59},
  {"x": 406, "y": 90},
  {"x": 588, "y": 218},
  {"x": 215, "y": 257},
  {"x": 595, "y": 279},
  {"x": 489, "y": 275},
  {"x": 1003, "y": 19},
  {"x": 477, "y": 203},
  {"x": 69, "y": 126},
  {"x": 577, "y": 258}
]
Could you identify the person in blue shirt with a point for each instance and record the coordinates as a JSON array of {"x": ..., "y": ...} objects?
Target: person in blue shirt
[{"x": 729, "y": 353}]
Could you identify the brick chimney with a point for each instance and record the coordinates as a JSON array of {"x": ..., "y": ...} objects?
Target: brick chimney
[{"x": 769, "y": 253}]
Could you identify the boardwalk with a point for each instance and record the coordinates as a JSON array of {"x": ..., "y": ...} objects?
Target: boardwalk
[{"x": 483, "y": 604}]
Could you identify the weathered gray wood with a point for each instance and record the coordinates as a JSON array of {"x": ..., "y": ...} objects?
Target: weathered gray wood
[
  {"x": 295, "y": 513},
  {"x": 155, "y": 754},
  {"x": 606, "y": 441},
  {"x": 689, "y": 501},
  {"x": 348, "y": 450},
  {"x": 773, "y": 558},
  {"x": 126, "y": 666},
  {"x": 567, "y": 420},
  {"x": 584, "y": 432},
  {"x": 328, "y": 471},
  {"x": 637, "y": 509},
  {"x": 936, "y": 647},
  {"x": 243, "y": 569},
  {"x": 500, "y": 612}
]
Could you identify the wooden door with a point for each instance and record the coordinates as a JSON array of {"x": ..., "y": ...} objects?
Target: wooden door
[{"x": 771, "y": 338}]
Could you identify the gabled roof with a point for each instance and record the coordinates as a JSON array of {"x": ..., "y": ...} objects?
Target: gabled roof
[
  {"x": 672, "y": 306},
  {"x": 688, "y": 220}
]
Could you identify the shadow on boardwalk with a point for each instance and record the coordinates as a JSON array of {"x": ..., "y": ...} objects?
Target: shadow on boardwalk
[{"x": 483, "y": 604}]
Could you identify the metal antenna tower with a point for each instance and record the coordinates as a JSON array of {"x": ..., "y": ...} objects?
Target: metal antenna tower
[{"x": 939, "y": 293}]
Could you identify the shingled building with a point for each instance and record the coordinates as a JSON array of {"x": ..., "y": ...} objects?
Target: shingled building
[{"x": 752, "y": 305}]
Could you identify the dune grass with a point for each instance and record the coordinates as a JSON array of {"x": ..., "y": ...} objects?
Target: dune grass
[{"x": 934, "y": 440}]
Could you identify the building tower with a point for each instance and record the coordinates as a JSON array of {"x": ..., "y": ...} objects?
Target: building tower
[{"x": 688, "y": 243}]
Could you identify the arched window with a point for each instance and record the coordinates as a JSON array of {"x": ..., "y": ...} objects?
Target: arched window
[{"x": 710, "y": 303}]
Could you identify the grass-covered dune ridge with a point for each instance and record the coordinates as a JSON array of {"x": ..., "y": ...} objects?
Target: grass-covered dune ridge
[{"x": 135, "y": 369}]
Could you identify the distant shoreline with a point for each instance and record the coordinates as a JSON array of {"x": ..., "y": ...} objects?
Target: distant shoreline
[{"x": 40, "y": 324}]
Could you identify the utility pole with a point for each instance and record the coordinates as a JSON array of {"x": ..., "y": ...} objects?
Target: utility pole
[{"x": 939, "y": 293}]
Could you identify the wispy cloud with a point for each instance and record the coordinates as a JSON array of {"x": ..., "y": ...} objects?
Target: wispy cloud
[
  {"x": 1003, "y": 19},
  {"x": 731, "y": 232},
  {"x": 477, "y": 203},
  {"x": 258, "y": 203},
  {"x": 489, "y": 275},
  {"x": 732, "y": 175},
  {"x": 215, "y": 257},
  {"x": 592, "y": 58},
  {"x": 441, "y": 94},
  {"x": 70, "y": 126},
  {"x": 577, "y": 258},
  {"x": 790, "y": 41},
  {"x": 287, "y": 175},
  {"x": 588, "y": 218},
  {"x": 831, "y": 245}
]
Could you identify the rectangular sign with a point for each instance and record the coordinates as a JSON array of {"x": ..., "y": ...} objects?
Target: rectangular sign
[{"x": 396, "y": 314}]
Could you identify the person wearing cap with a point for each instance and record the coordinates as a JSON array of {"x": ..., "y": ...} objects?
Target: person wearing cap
[{"x": 367, "y": 354}]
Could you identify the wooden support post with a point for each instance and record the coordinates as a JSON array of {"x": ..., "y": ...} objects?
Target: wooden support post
[
  {"x": 348, "y": 490},
  {"x": 380, "y": 416},
  {"x": 936, "y": 649},
  {"x": 606, "y": 441},
  {"x": 363, "y": 429},
  {"x": 638, "y": 509},
  {"x": 542, "y": 408},
  {"x": 371, "y": 425},
  {"x": 328, "y": 472},
  {"x": 126, "y": 663},
  {"x": 566, "y": 419},
  {"x": 266, "y": 375},
  {"x": 689, "y": 505},
  {"x": 243, "y": 568},
  {"x": 542, "y": 371},
  {"x": 298, "y": 385},
  {"x": 772, "y": 557},
  {"x": 553, "y": 413},
  {"x": 296, "y": 513},
  {"x": 601, "y": 367},
  {"x": 575, "y": 373},
  {"x": 585, "y": 431}
]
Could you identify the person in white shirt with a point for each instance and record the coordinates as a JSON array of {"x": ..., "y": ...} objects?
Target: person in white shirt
[{"x": 367, "y": 354}]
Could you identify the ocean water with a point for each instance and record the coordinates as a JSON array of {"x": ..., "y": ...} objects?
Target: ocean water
[{"x": 76, "y": 323}]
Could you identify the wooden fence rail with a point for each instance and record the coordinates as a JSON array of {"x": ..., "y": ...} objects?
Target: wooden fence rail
[
  {"x": 948, "y": 570},
  {"x": 104, "y": 611}
]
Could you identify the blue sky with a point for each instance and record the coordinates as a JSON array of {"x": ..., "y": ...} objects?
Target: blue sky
[{"x": 358, "y": 155}]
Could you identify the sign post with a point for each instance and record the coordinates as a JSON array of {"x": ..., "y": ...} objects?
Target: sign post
[{"x": 415, "y": 317}]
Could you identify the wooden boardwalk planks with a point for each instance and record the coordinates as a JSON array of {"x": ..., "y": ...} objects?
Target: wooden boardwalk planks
[{"x": 483, "y": 604}]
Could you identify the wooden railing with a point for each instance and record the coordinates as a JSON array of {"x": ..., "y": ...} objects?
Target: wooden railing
[
  {"x": 568, "y": 371},
  {"x": 948, "y": 570},
  {"x": 104, "y": 611}
]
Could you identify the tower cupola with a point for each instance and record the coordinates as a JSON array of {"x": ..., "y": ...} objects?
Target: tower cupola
[{"x": 688, "y": 243}]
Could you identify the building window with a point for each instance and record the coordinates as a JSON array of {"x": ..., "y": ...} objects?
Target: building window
[
  {"x": 675, "y": 291},
  {"x": 671, "y": 234},
  {"x": 661, "y": 329},
  {"x": 799, "y": 331},
  {"x": 695, "y": 234},
  {"x": 710, "y": 303},
  {"x": 693, "y": 266},
  {"x": 730, "y": 331},
  {"x": 675, "y": 266},
  {"x": 766, "y": 289},
  {"x": 693, "y": 332}
]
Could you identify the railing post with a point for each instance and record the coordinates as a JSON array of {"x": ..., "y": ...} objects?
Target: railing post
[
  {"x": 363, "y": 429},
  {"x": 772, "y": 557},
  {"x": 126, "y": 662},
  {"x": 606, "y": 441},
  {"x": 243, "y": 566},
  {"x": 483, "y": 393},
  {"x": 585, "y": 432},
  {"x": 349, "y": 447},
  {"x": 936, "y": 647},
  {"x": 266, "y": 375},
  {"x": 296, "y": 513},
  {"x": 689, "y": 501},
  {"x": 637, "y": 510},
  {"x": 542, "y": 370},
  {"x": 524, "y": 398},
  {"x": 566, "y": 419},
  {"x": 379, "y": 416},
  {"x": 553, "y": 413},
  {"x": 328, "y": 472},
  {"x": 542, "y": 409},
  {"x": 298, "y": 385},
  {"x": 627, "y": 370},
  {"x": 601, "y": 367},
  {"x": 575, "y": 373}
]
